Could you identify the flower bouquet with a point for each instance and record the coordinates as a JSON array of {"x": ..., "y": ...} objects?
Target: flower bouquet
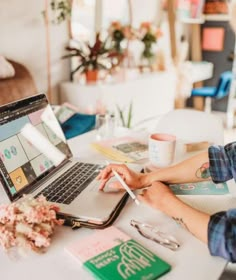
[
  {"x": 148, "y": 35},
  {"x": 120, "y": 36},
  {"x": 28, "y": 224},
  {"x": 117, "y": 34}
]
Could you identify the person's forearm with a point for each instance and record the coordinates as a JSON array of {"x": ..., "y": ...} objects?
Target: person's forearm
[
  {"x": 194, "y": 169},
  {"x": 191, "y": 219}
]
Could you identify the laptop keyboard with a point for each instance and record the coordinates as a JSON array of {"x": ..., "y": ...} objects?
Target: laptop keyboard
[{"x": 71, "y": 183}]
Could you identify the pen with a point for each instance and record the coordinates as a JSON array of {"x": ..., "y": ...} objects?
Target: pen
[{"x": 119, "y": 178}]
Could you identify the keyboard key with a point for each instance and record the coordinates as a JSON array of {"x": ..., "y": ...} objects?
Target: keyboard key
[{"x": 69, "y": 185}]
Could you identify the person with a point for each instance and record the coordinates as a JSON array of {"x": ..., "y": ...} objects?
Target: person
[{"x": 217, "y": 164}]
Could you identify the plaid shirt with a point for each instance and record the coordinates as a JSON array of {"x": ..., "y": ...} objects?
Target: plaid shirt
[{"x": 222, "y": 225}]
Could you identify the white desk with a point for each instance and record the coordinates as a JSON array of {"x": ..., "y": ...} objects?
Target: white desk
[
  {"x": 191, "y": 261},
  {"x": 201, "y": 70}
]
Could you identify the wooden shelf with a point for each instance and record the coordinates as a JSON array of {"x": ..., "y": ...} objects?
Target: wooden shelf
[
  {"x": 217, "y": 17},
  {"x": 193, "y": 20},
  {"x": 203, "y": 18}
]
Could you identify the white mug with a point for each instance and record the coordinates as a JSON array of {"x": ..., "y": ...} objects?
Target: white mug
[{"x": 161, "y": 148}]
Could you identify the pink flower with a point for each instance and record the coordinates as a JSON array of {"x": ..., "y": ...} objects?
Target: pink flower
[
  {"x": 145, "y": 25},
  {"x": 116, "y": 25},
  {"x": 28, "y": 223},
  {"x": 7, "y": 238}
]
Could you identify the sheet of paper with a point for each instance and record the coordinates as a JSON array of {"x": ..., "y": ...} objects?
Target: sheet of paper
[{"x": 213, "y": 38}]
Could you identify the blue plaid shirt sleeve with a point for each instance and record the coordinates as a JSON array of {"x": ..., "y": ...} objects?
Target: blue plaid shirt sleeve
[
  {"x": 222, "y": 235},
  {"x": 222, "y": 225},
  {"x": 222, "y": 161}
]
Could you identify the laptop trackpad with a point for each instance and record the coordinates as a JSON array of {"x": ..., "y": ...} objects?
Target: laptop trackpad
[{"x": 94, "y": 187}]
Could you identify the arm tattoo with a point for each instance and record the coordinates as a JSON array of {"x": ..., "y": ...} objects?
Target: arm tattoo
[
  {"x": 203, "y": 172},
  {"x": 180, "y": 222}
]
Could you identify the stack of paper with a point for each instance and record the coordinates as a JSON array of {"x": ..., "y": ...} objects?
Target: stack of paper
[{"x": 124, "y": 149}]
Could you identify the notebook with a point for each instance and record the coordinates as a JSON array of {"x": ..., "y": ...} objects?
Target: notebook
[
  {"x": 35, "y": 159},
  {"x": 112, "y": 254}
]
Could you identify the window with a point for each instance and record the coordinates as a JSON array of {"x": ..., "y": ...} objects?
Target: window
[{"x": 83, "y": 19}]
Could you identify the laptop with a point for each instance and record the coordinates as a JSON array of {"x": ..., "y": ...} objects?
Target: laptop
[{"x": 36, "y": 159}]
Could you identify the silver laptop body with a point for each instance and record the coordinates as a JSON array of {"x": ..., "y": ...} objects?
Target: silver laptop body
[{"x": 34, "y": 154}]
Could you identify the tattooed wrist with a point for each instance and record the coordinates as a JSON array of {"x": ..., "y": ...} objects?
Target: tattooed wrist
[{"x": 204, "y": 171}]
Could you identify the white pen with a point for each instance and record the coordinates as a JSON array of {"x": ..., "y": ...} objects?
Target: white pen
[{"x": 119, "y": 178}]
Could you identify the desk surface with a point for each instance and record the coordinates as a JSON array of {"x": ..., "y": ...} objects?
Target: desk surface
[{"x": 191, "y": 261}]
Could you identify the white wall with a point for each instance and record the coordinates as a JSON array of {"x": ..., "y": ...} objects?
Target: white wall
[{"x": 23, "y": 39}]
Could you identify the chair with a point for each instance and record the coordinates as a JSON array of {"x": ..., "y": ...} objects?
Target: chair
[
  {"x": 19, "y": 86},
  {"x": 221, "y": 90},
  {"x": 192, "y": 125}
]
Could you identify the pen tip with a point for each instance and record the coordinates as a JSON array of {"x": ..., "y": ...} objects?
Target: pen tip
[{"x": 137, "y": 202}]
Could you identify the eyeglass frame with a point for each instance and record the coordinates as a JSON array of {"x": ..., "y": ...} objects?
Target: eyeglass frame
[{"x": 161, "y": 238}]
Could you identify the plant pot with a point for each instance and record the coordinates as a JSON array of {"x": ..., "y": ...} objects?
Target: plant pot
[{"x": 91, "y": 76}]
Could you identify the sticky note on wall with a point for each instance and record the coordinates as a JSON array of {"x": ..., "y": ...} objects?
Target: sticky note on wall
[{"x": 213, "y": 39}]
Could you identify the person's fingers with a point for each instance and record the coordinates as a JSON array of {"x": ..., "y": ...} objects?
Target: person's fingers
[
  {"x": 102, "y": 184},
  {"x": 143, "y": 195},
  {"x": 120, "y": 168},
  {"x": 143, "y": 192},
  {"x": 113, "y": 185},
  {"x": 99, "y": 176},
  {"x": 104, "y": 173},
  {"x": 116, "y": 185},
  {"x": 107, "y": 173},
  {"x": 104, "y": 181},
  {"x": 141, "y": 198}
]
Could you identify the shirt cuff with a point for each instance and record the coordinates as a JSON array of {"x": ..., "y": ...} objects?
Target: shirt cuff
[
  {"x": 221, "y": 235},
  {"x": 220, "y": 164}
]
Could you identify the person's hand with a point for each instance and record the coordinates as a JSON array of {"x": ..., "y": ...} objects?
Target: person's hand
[
  {"x": 158, "y": 196},
  {"x": 131, "y": 178}
]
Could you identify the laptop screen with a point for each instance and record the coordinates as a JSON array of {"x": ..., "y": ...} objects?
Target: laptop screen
[{"x": 32, "y": 144}]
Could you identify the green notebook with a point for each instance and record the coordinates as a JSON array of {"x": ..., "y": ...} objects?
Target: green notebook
[
  {"x": 200, "y": 188},
  {"x": 111, "y": 254}
]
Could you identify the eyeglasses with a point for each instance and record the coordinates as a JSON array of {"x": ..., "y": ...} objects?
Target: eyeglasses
[{"x": 153, "y": 233}]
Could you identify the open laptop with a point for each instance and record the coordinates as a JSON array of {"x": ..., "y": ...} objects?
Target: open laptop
[{"x": 36, "y": 159}]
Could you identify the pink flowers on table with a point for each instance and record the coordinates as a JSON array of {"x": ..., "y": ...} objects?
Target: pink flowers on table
[{"x": 28, "y": 224}]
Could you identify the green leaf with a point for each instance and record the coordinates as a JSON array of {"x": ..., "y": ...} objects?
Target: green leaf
[
  {"x": 121, "y": 115},
  {"x": 76, "y": 69},
  {"x": 130, "y": 114}
]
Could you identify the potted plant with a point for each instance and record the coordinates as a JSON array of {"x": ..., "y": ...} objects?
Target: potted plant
[{"x": 92, "y": 58}]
